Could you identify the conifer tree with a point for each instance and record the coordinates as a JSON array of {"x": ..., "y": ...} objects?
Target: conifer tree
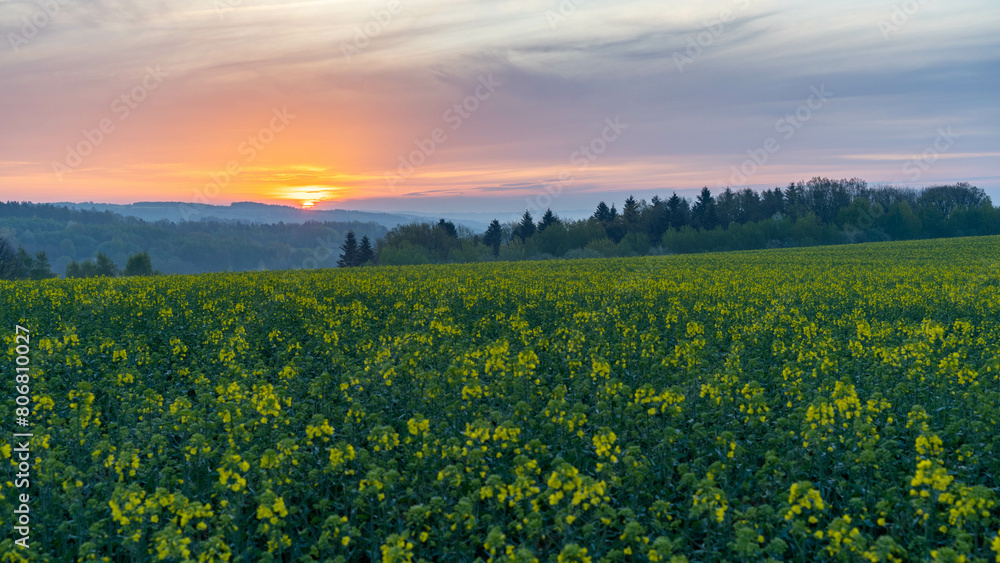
[
  {"x": 349, "y": 257},
  {"x": 365, "y": 252},
  {"x": 494, "y": 236}
]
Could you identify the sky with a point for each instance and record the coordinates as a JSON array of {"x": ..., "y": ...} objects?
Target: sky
[{"x": 489, "y": 105}]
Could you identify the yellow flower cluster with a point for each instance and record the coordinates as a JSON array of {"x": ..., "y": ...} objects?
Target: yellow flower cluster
[{"x": 803, "y": 496}]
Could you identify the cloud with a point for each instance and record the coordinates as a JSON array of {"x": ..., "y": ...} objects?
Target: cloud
[{"x": 229, "y": 68}]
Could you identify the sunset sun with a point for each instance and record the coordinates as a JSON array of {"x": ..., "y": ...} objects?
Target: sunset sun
[{"x": 308, "y": 196}]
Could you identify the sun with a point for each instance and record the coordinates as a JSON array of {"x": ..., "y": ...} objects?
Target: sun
[{"x": 307, "y": 197}]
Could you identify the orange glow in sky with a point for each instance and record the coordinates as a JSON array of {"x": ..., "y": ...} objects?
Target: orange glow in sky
[{"x": 322, "y": 104}]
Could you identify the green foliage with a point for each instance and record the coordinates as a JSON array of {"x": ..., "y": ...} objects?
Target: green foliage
[
  {"x": 526, "y": 228},
  {"x": 818, "y": 212},
  {"x": 436, "y": 242},
  {"x": 349, "y": 258},
  {"x": 493, "y": 236},
  {"x": 553, "y": 240},
  {"x": 99, "y": 266},
  {"x": 548, "y": 219},
  {"x": 603, "y": 246},
  {"x": 185, "y": 247},
  {"x": 22, "y": 266},
  {"x": 403, "y": 253},
  {"x": 9, "y": 260},
  {"x": 138, "y": 265},
  {"x": 355, "y": 254},
  {"x": 366, "y": 254},
  {"x": 105, "y": 266}
]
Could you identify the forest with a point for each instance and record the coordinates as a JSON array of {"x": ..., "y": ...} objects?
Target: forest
[
  {"x": 182, "y": 247},
  {"x": 821, "y": 211},
  {"x": 50, "y": 240}
]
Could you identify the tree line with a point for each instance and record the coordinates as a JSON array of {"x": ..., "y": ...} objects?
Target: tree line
[
  {"x": 103, "y": 266},
  {"x": 819, "y": 211},
  {"x": 20, "y": 265}
]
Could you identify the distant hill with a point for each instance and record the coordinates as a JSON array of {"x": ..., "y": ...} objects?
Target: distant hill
[
  {"x": 178, "y": 247},
  {"x": 251, "y": 212}
]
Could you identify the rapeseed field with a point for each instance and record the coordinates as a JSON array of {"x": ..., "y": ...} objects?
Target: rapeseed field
[{"x": 837, "y": 403}]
